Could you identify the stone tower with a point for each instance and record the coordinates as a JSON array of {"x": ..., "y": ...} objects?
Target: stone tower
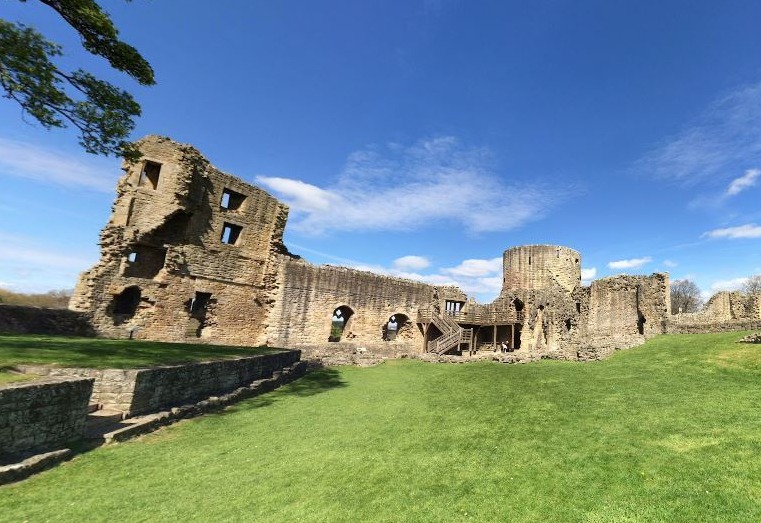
[{"x": 538, "y": 267}]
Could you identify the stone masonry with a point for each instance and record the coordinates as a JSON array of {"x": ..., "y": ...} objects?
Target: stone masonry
[
  {"x": 42, "y": 415},
  {"x": 194, "y": 254}
]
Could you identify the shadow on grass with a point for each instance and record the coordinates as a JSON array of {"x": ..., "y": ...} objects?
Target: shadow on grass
[
  {"x": 316, "y": 381},
  {"x": 104, "y": 353}
]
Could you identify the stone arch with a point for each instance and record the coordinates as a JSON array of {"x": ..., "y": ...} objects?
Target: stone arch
[
  {"x": 340, "y": 320},
  {"x": 396, "y": 324},
  {"x": 125, "y": 304}
]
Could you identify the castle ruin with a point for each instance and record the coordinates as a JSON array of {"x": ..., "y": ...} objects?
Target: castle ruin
[{"x": 193, "y": 254}]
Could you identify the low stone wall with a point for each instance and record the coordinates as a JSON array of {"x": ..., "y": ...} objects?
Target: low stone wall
[
  {"x": 42, "y": 415},
  {"x": 354, "y": 353},
  {"x": 164, "y": 387},
  {"x": 142, "y": 391},
  {"x": 719, "y": 326},
  {"x": 17, "y": 319}
]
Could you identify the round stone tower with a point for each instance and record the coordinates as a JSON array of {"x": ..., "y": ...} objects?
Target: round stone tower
[{"x": 535, "y": 267}]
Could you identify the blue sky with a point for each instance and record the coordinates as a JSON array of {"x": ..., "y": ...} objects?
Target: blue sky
[{"x": 422, "y": 138}]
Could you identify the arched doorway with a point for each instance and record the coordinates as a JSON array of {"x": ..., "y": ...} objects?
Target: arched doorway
[
  {"x": 395, "y": 324},
  {"x": 125, "y": 304},
  {"x": 339, "y": 322}
]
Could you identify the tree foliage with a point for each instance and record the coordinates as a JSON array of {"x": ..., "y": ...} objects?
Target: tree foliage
[
  {"x": 752, "y": 285},
  {"x": 103, "y": 113},
  {"x": 685, "y": 296}
]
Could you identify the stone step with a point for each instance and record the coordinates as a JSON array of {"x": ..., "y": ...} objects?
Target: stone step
[
  {"x": 102, "y": 421},
  {"x": 92, "y": 407}
]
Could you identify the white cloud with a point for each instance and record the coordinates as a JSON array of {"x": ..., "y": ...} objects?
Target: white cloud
[
  {"x": 722, "y": 139},
  {"x": 411, "y": 263},
  {"x": 749, "y": 230},
  {"x": 728, "y": 285},
  {"x": 743, "y": 182},
  {"x": 26, "y": 160},
  {"x": 26, "y": 252},
  {"x": 475, "y": 268},
  {"x": 587, "y": 275},
  {"x": 669, "y": 263},
  {"x": 396, "y": 187},
  {"x": 633, "y": 263},
  {"x": 299, "y": 195}
]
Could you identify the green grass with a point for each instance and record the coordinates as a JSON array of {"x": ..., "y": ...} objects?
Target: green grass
[
  {"x": 668, "y": 432},
  {"x": 108, "y": 354},
  {"x": 7, "y": 376}
]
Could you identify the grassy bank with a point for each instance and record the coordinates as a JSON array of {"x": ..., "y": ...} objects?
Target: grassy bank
[
  {"x": 108, "y": 354},
  {"x": 666, "y": 432}
]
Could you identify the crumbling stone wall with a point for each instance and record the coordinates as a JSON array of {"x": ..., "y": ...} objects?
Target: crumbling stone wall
[
  {"x": 308, "y": 296},
  {"x": 724, "y": 311},
  {"x": 181, "y": 233},
  {"x": 624, "y": 311},
  {"x": 42, "y": 415}
]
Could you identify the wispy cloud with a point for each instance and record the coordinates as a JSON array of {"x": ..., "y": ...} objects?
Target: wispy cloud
[
  {"x": 475, "y": 268},
  {"x": 27, "y": 266},
  {"x": 587, "y": 275},
  {"x": 669, "y": 263},
  {"x": 633, "y": 263},
  {"x": 30, "y": 161},
  {"x": 749, "y": 230},
  {"x": 728, "y": 285},
  {"x": 396, "y": 187},
  {"x": 745, "y": 181},
  {"x": 411, "y": 263},
  {"x": 24, "y": 251},
  {"x": 721, "y": 140}
]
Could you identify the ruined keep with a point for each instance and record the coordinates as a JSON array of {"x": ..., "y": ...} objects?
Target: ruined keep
[{"x": 194, "y": 254}]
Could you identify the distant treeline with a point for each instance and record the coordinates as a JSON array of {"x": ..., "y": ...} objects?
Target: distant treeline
[{"x": 51, "y": 299}]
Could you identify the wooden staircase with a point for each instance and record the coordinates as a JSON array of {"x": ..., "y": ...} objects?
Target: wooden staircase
[{"x": 452, "y": 334}]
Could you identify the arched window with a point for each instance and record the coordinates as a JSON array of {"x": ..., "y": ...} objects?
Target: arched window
[
  {"x": 340, "y": 320},
  {"x": 394, "y": 325}
]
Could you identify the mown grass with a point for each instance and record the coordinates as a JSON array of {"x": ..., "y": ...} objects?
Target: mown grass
[
  {"x": 668, "y": 432},
  {"x": 8, "y": 376},
  {"x": 108, "y": 354}
]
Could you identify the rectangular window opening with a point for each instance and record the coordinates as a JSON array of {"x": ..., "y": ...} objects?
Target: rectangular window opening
[
  {"x": 453, "y": 306},
  {"x": 231, "y": 200},
  {"x": 145, "y": 261},
  {"x": 231, "y": 233},
  {"x": 149, "y": 177},
  {"x": 199, "y": 303}
]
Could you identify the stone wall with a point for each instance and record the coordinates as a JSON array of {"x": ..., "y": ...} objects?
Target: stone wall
[
  {"x": 17, "y": 319},
  {"x": 42, "y": 415},
  {"x": 624, "y": 311},
  {"x": 308, "y": 296},
  {"x": 141, "y": 391},
  {"x": 724, "y": 311},
  {"x": 189, "y": 253}
]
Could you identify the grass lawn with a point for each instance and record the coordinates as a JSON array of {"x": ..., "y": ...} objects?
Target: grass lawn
[
  {"x": 6, "y": 376},
  {"x": 668, "y": 432},
  {"x": 108, "y": 354}
]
